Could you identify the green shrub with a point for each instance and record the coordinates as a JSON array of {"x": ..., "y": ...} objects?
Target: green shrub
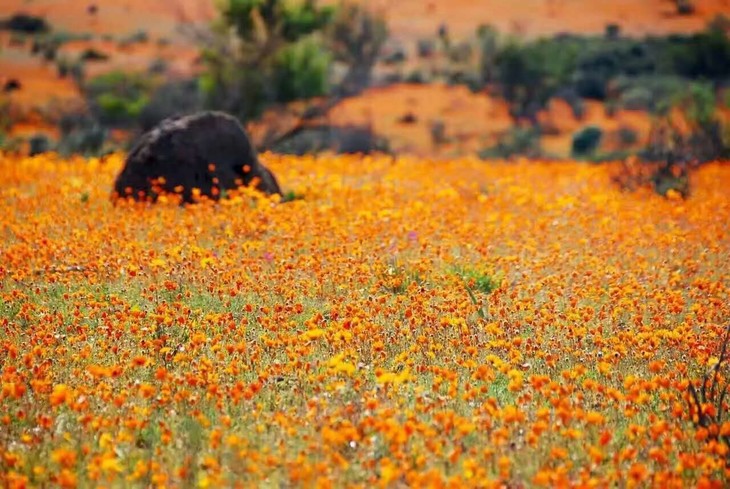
[
  {"x": 25, "y": 23},
  {"x": 701, "y": 55},
  {"x": 81, "y": 134},
  {"x": 460, "y": 53},
  {"x": 638, "y": 98},
  {"x": 586, "y": 141},
  {"x": 284, "y": 51},
  {"x": 91, "y": 54},
  {"x": 612, "y": 31},
  {"x": 137, "y": 37},
  {"x": 531, "y": 73},
  {"x": 170, "y": 99},
  {"x": 292, "y": 20},
  {"x": 417, "y": 77},
  {"x": 301, "y": 71},
  {"x": 483, "y": 282},
  {"x": 653, "y": 93},
  {"x": 520, "y": 141},
  {"x": 426, "y": 48},
  {"x": 118, "y": 98},
  {"x": 39, "y": 143},
  {"x": 341, "y": 140},
  {"x": 627, "y": 136},
  {"x": 116, "y": 109}
]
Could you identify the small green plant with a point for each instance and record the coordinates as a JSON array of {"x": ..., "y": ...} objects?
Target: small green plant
[
  {"x": 397, "y": 278},
  {"x": 707, "y": 404},
  {"x": 478, "y": 281},
  {"x": 291, "y": 196}
]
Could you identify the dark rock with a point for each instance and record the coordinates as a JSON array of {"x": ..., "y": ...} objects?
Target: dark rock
[{"x": 209, "y": 151}]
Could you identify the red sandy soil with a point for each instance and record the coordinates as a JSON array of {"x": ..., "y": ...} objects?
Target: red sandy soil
[
  {"x": 135, "y": 57},
  {"x": 414, "y": 19},
  {"x": 158, "y": 18},
  {"x": 38, "y": 79},
  {"x": 408, "y": 19},
  {"x": 471, "y": 121}
]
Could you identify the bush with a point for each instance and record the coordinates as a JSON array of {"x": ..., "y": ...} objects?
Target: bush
[
  {"x": 612, "y": 32},
  {"x": 291, "y": 20},
  {"x": 426, "y": 48},
  {"x": 117, "y": 98},
  {"x": 662, "y": 177},
  {"x": 174, "y": 98},
  {"x": 627, "y": 136},
  {"x": 417, "y": 77},
  {"x": 685, "y": 7},
  {"x": 116, "y": 109},
  {"x": 702, "y": 55},
  {"x": 138, "y": 37},
  {"x": 81, "y": 134},
  {"x": 25, "y": 23},
  {"x": 437, "y": 130},
  {"x": 395, "y": 55},
  {"x": 571, "y": 97},
  {"x": 284, "y": 51},
  {"x": 653, "y": 93},
  {"x": 520, "y": 141},
  {"x": 586, "y": 141},
  {"x": 38, "y": 144},
  {"x": 91, "y": 54},
  {"x": 529, "y": 74},
  {"x": 488, "y": 45},
  {"x": 10, "y": 144},
  {"x": 465, "y": 78},
  {"x": 638, "y": 98},
  {"x": 301, "y": 71},
  {"x": 460, "y": 53},
  {"x": 344, "y": 140}
]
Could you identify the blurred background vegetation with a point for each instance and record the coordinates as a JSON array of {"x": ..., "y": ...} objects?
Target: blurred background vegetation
[{"x": 300, "y": 59}]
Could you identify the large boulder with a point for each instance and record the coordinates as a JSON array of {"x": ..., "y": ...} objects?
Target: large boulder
[{"x": 208, "y": 151}]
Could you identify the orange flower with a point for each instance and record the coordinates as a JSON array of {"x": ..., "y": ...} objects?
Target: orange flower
[{"x": 61, "y": 395}]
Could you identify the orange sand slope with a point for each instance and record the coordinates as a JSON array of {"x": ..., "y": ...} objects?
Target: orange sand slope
[
  {"x": 412, "y": 19},
  {"x": 470, "y": 120},
  {"x": 157, "y": 18},
  {"x": 409, "y": 19}
]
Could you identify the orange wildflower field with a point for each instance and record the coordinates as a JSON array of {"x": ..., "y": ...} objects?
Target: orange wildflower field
[{"x": 400, "y": 322}]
